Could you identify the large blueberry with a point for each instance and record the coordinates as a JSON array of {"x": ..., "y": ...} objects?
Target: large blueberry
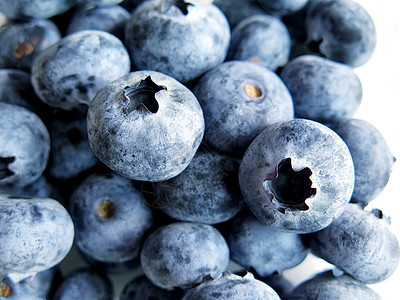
[
  {"x": 145, "y": 126},
  {"x": 282, "y": 7},
  {"x": 297, "y": 176},
  {"x": 342, "y": 30},
  {"x": 35, "y": 234},
  {"x": 371, "y": 156},
  {"x": 232, "y": 287},
  {"x": 261, "y": 39},
  {"x": 258, "y": 247},
  {"x": 25, "y": 145},
  {"x": 111, "y": 218},
  {"x": 206, "y": 191},
  {"x": 325, "y": 286},
  {"x": 183, "y": 254},
  {"x": 239, "y": 100},
  {"x": 181, "y": 38},
  {"x": 9, "y": 290},
  {"x": 322, "y": 89},
  {"x": 68, "y": 74},
  {"x": 26, "y": 9}
]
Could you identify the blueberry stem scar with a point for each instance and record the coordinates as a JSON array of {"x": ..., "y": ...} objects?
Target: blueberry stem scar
[
  {"x": 5, "y": 289},
  {"x": 4, "y": 170},
  {"x": 252, "y": 91},
  {"x": 106, "y": 209},
  {"x": 180, "y": 4}
]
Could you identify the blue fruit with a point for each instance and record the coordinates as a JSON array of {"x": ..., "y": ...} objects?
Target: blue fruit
[
  {"x": 45, "y": 282},
  {"x": 322, "y": 89},
  {"x": 282, "y": 7},
  {"x": 360, "y": 243},
  {"x": 145, "y": 126},
  {"x": 40, "y": 188},
  {"x": 25, "y": 146},
  {"x": 69, "y": 74},
  {"x": 261, "y": 39},
  {"x": 183, "y": 254},
  {"x": 178, "y": 38},
  {"x": 342, "y": 30},
  {"x": 26, "y": 9},
  {"x": 239, "y": 100},
  {"x": 297, "y": 176}
]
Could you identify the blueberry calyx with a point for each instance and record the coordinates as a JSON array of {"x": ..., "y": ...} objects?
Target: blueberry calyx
[
  {"x": 106, "y": 209},
  {"x": 291, "y": 188},
  {"x": 5, "y": 289},
  {"x": 252, "y": 91},
  {"x": 175, "y": 7},
  {"x": 4, "y": 170},
  {"x": 142, "y": 97}
]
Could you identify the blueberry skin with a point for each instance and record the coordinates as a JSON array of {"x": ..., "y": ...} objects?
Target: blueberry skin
[
  {"x": 322, "y": 89},
  {"x": 239, "y": 100},
  {"x": 206, "y": 191},
  {"x": 232, "y": 287},
  {"x": 68, "y": 74},
  {"x": 371, "y": 156},
  {"x": 145, "y": 126},
  {"x": 317, "y": 176},
  {"x": 98, "y": 2},
  {"x": 10, "y": 290},
  {"x": 282, "y": 7},
  {"x": 343, "y": 29},
  {"x": 111, "y": 18},
  {"x": 178, "y": 38},
  {"x": 70, "y": 152},
  {"x": 40, "y": 188},
  {"x": 25, "y": 146},
  {"x": 360, "y": 243},
  {"x": 22, "y": 42},
  {"x": 261, "y": 39},
  {"x": 181, "y": 254},
  {"x": 36, "y": 234},
  {"x": 141, "y": 288},
  {"x": 85, "y": 283},
  {"x": 42, "y": 9},
  {"x": 325, "y": 286},
  {"x": 258, "y": 247},
  {"x": 44, "y": 282},
  {"x": 111, "y": 218}
]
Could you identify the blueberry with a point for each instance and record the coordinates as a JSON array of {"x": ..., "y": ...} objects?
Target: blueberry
[
  {"x": 282, "y": 7},
  {"x": 261, "y": 249},
  {"x": 182, "y": 254},
  {"x": 25, "y": 146},
  {"x": 297, "y": 176},
  {"x": 35, "y": 234},
  {"x": 261, "y": 39},
  {"x": 145, "y": 126},
  {"x": 325, "y": 286},
  {"x": 111, "y": 18},
  {"x": 180, "y": 38},
  {"x": 360, "y": 243},
  {"x": 342, "y": 30},
  {"x": 111, "y": 218},
  {"x": 239, "y": 100},
  {"x": 98, "y": 2},
  {"x": 10, "y": 290},
  {"x": 40, "y": 188},
  {"x": 232, "y": 287},
  {"x": 206, "y": 191},
  {"x": 322, "y": 89},
  {"x": 85, "y": 283},
  {"x": 68, "y": 74},
  {"x": 44, "y": 282}
]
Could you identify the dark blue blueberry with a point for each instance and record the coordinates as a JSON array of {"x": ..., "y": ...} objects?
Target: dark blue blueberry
[
  {"x": 35, "y": 235},
  {"x": 232, "y": 287},
  {"x": 111, "y": 218},
  {"x": 85, "y": 283},
  {"x": 322, "y": 89},
  {"x": 183, "y": 254},
  {"x": 297, "y": 176},
  {"x": 69, "y": 74},
  {"x": 282, "y": 7},
  {"x": 22, "y": 42},
  {"x": 261, "y": 249},
  {"x": 360, "y": 243},
  {"x": 70, "y": 152},
  {"x": 342, "y": 30},
  {"x": 25, "y": 146},
  {"x": 141, "y": 288},
  {"x": 10, "y": 290},
  {"x": 145, "y": 126},
  {"x": 239, "y": 100},
  {"x": 178, "y": 38},
  {"x": 207, "y": 191},
  {"x": 26, "y": 9},
  {"x": 261, "y": 39},
  {"x": 111, "y": 18},
  {"x": 325, "y": 286},
  {"x": 98, "y": 2},
  {"x": 371, "y": 156}
]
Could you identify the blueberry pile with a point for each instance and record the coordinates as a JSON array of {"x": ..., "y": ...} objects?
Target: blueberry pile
[{"x": 204, "y": 146}]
